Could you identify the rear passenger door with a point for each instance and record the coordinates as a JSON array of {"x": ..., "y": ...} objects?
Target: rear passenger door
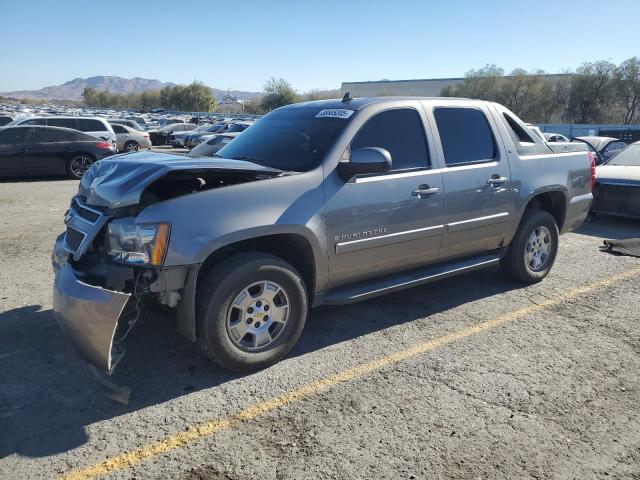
[
  {"x": 476, "y": 177},
  {"x": 380, "y": 223},
  {"x": 48, "y": 150}
]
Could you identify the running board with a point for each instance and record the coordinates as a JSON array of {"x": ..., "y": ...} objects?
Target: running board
[{"x": 380, "y": 286}]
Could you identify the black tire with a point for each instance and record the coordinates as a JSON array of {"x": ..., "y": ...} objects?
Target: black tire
[
  {"x": 131, "y": 146},
  {"x": 78, "y": 164},
  {"x": 218, "y": 290},
  {"x": 514, "y": 263}
]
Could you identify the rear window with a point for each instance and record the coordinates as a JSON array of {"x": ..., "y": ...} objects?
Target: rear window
[
  {"x": 465, "y": 135},
  {"x": 90, "y": 125}
]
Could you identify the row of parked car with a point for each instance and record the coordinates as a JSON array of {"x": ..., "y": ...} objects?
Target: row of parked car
[{"x": 57, "y": 144}]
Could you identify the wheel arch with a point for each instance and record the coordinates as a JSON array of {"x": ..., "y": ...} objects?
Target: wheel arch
[
  {"x": 294, "y": 248},
  {"x": 553, "y": 201}
]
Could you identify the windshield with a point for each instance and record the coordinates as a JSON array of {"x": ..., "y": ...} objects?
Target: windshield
[
  {"x": 292, "y": 139},
  {"x": 629, "y": 157}
]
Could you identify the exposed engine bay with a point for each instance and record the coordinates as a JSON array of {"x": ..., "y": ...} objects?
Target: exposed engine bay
[{"x": 179, "y": 183}]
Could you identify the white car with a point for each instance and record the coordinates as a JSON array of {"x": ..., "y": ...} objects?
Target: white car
[
  {"x": 95, "y": 126},
  {"x": 555, "y": 137}
]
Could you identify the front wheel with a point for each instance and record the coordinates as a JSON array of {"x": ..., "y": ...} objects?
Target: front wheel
[
  {"x": 251, "y": 311},
  {"x": 78, "y": 165},
  {"x": 534, "y": 247}
]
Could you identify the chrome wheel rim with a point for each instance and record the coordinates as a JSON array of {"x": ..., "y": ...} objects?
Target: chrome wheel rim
[
  {"x": 258, "y": 316},
  {"x": 132, "y": 147},
  {"x": 79, "y": 165},
  {"x": 538, "y": 249}
]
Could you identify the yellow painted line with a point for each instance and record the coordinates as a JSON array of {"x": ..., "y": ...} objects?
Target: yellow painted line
[{"x": 209, "y": 428}]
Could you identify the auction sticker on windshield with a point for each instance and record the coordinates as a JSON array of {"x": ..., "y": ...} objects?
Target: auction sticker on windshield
[{"x": 334, "y": 113}]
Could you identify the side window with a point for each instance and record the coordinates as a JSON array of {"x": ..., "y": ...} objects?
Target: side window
[
  {"x": 465, "y": 135},
  {"x": 118, "y": 129},
  {"x": 90, "y": 125},
  {"x": 46, "y": 135},
  {"x": 401, "y": 133},
  {"x": 61, "y": 122},
  {"x": 35, "y": 121},
  {"x": 11, "y": 136}
]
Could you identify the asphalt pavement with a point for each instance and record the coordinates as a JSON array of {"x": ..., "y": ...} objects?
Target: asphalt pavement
[{"x": 471, "y": 377}]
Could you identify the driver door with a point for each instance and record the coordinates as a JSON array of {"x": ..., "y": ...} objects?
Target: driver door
[{"x": 380, "y": 223}]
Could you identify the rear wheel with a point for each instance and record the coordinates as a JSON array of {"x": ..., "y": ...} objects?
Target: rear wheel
[
  {"x": 131, "y": 146},
  {"x": 534, "y": 247},
  {"x": 251, "y": 311},
  {"x": 79, "y": 164}
]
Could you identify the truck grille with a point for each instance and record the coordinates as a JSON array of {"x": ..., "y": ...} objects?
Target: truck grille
[
  {"x": 84, "y": 222},
  {"x": 74, "y": 238},
  {"x": 85, "y": 213}
]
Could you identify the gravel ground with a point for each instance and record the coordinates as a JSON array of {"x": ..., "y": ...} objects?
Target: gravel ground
[{"x": 551, "y": 394}]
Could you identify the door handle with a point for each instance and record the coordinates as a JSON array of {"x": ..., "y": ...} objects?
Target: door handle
[
  {"x": 424, "y": 191},
  {"x": 496, "y": 180}
]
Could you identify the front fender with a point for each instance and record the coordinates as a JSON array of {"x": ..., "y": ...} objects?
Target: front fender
[{"x": 204, "y": 222}]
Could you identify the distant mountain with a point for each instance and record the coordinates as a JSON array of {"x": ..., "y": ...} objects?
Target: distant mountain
[{"x": 72, "y": 90}]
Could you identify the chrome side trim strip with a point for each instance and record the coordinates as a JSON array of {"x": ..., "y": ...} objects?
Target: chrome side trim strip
[
  {"x": 475, "y": 222},
  {"x": 391, "y": 176},
  {"x": 407, "y": 235}
]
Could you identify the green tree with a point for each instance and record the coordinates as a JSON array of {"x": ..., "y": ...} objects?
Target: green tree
[
  {"x": 90, "y": 96},
  {"x": 277, "y": 92}
]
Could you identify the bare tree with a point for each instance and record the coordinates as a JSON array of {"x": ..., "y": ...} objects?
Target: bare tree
[
  {"x": 552, "y": 97},
  {"x": 627, "y": 87},
  {"x": 591, "y": 91}
]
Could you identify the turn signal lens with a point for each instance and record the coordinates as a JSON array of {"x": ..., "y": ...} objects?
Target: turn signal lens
[{"x": 160, "y": 244}]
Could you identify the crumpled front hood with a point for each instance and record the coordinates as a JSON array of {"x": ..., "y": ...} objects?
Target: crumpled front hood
[{"x": 119, "y": 181}]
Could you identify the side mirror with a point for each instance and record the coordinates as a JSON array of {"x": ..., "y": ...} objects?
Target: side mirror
[{"x": 365, "y": 160}]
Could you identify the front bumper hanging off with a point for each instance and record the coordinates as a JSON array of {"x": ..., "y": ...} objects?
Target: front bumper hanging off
[{"x": 88, "y": 316}]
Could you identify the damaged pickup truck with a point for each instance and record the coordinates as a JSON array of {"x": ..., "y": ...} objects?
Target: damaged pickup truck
[{"x": 326, "y": 202}]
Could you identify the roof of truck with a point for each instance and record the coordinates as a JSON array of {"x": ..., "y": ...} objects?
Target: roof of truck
[{"x": 358, "y": 103}]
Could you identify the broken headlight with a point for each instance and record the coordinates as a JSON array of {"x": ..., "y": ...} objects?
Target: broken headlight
[{"x": 137, "y": 244}]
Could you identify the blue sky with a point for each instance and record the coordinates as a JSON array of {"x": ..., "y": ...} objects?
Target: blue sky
[{"x": 313, "y": 44}]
